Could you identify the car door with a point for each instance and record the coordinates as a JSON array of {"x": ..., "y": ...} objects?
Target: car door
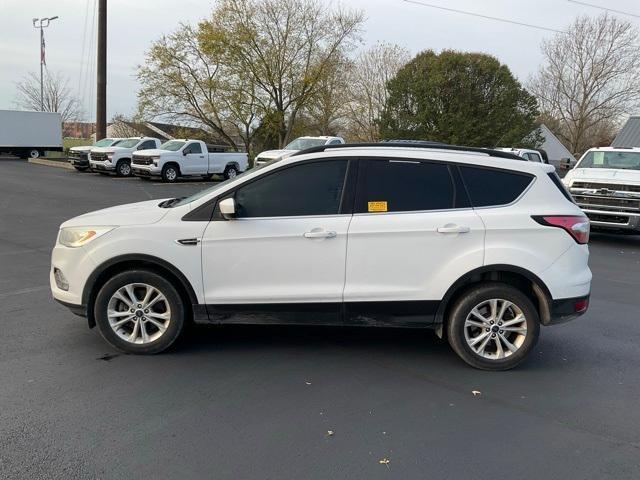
[
  {"x": 413, "y": 234},
  {"x": 284, "y": 253},
  {"x": 195, "y": 160}
]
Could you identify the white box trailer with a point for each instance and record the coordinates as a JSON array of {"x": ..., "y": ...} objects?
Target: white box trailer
[{"x": 30, "y": 134}]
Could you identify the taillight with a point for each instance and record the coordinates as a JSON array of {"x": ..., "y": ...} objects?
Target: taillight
[{"x": 575, "y": 225}]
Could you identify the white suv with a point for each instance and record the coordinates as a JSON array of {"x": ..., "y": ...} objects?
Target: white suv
[{"x": 480, "y": 245}]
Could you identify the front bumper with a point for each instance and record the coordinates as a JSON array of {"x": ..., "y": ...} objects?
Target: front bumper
[
  {"x": 614, "y": 220},
  {"x": 82, "y": 162},
  {"x": 145, "y": 170},
  {"x": 105, "y": 166}
]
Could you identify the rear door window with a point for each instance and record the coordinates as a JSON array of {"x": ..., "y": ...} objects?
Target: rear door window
[
  {"x": 404, "y": 186},
  {"x": 490, "y": 187}
]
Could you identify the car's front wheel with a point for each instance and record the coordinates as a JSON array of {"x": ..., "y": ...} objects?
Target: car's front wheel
[
  {"x": 230, "y": 172},
  {"x": 123, "y": 168},
  {"x": 493, "y": 326},
  {"x": 170, "y": 173},
  {"x": 139, "y": 312}
]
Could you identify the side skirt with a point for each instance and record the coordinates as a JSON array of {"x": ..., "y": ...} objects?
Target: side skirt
[{"x": 407, "y": 314}]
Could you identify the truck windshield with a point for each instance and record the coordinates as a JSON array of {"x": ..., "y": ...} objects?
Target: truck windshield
[
  {"x": 612, "y": 159},
  {"x": 302, "y": 143},
  {"x": 172, "y": 145},
  {"x": 105, "y": 142},
  {"x": 129, "y": 142}
]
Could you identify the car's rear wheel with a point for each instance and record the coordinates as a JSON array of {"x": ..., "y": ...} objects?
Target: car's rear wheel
[
  {"x": 230, "y": 172},
  {"x": 139, "y": 312},
  {"x": 493, "y": 326}
]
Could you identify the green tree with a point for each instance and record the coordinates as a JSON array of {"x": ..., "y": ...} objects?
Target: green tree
[
  {"x": 458, "y": 98},
  {"x": 287, "y": 47}
]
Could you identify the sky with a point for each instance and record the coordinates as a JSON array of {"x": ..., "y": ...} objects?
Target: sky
[{"x": 133, "y": 25}]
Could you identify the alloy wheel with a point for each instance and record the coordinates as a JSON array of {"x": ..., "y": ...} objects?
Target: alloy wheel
[
  {"x": 139, "y": 313},
  {"x": 495, "y": 329}
]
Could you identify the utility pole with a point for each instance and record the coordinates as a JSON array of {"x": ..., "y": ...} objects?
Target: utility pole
[
  {"x": 42, "y": 23},
  {"x": 101, "y": 91}
]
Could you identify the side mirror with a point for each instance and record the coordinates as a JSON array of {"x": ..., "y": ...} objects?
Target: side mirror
[
  {"x": 565, "y": 163},
  {"x": 185, "y": 152},
  {"x": 228, "y": 208}
]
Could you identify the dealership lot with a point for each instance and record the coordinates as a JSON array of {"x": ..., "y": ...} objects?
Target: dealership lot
[{"x": 259, "y": 402}]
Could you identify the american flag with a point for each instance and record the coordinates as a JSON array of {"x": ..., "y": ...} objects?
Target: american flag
[{"x": 42, "y": 59}]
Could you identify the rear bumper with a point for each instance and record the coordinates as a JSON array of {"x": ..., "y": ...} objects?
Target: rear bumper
[{"x": 566, "y": 309}]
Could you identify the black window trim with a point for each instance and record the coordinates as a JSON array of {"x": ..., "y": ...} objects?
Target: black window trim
[
  {"x": 209, "y": 211},
  {"x": 455, "y": 177}
]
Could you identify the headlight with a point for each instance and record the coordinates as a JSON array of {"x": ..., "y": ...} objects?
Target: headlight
[
  {"x": 109, "y": 156},
  {"x": 78, "y": 236}
]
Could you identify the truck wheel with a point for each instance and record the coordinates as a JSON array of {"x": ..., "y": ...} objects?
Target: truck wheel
[
  {"x": 493, "y": 326},
  {"x": 170, "y": 173},
  {"x": 230, "y": 172},
  {"x": 138, "y": 311},
  {"x": 123, "y": 168},
  {"x": 34, "y": 153}
]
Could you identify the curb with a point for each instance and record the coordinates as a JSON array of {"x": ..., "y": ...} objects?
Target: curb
[{"x": 51, "y": 163}]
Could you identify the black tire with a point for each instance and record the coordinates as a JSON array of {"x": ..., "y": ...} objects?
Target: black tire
[
  {"x": 34, "y": 153},
  {"x": 123, "y": 168},
  {"x": 231, "y": 171},
  {"x": 170, "y": 173},
  {"x": 177, "y": 312},
  {"x": 473, "y": 297}
]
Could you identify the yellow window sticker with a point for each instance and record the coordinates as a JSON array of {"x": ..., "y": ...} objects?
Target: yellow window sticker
[{"x": 378, "y": 206}]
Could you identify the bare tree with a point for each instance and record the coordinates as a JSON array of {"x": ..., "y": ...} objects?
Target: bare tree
[
  {"x": 368, "y": 78},
  {"x": 179, "y": 81},
  {"x": 123, "y": 127},
  {"x": 57, "y": 96},
  {"x": 591, "y": 77},
  {"x": 286, "y": 46}
]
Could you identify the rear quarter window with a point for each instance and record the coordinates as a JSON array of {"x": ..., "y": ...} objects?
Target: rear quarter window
[{"x": 489, "y": 187}]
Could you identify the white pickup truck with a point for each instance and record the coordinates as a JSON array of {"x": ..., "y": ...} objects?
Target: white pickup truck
[
  {"x": 300, "y": 143},
  {"x": 186, "y": 158},
  {"x": 79, "y": 156},
  {"x": 117, "y": 158},
  {"x": 605, "y": 183}
]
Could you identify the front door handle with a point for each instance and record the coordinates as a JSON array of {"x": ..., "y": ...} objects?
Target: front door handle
[
  {"x": 453, "y": 228},
  {"x": 319, "y": 233}
]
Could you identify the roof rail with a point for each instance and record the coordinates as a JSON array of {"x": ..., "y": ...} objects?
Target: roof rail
[{"x": 456, "y": 148}]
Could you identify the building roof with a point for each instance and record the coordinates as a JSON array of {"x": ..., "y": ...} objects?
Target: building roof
[{"x": 629, "y": 135}]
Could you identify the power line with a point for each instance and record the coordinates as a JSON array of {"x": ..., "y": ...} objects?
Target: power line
[
  {"x": 604, "y": 8},
  {"x": 487, "y": 17}
]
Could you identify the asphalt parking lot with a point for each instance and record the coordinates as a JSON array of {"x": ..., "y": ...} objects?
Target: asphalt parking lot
[{"x": 259, "y": 402}]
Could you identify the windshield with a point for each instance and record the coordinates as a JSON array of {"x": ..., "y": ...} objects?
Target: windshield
[
  {"x": 302, "y": 143},
  {"x": 621, "y": 160},
  {"x": 172, "y": 145},
  {"x": 106, "y": 142},
  {"x": 129, "y": 142},
  {"x": 209, "y": 190}
]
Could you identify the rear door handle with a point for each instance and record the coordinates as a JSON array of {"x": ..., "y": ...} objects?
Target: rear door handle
[
  {"x": 319, "y": 233},
  {"x": 453, "y": 228}
]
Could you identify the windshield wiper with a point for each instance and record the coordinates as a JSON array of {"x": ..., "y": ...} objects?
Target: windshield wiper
[{"x": 171, "y": 202}]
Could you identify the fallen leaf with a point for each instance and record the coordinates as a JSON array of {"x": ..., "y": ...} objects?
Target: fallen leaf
[
  {"x": 384, "y": 461},
  {"x": 476, "y": 392},
  {"x": 329, "y": 432}
]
